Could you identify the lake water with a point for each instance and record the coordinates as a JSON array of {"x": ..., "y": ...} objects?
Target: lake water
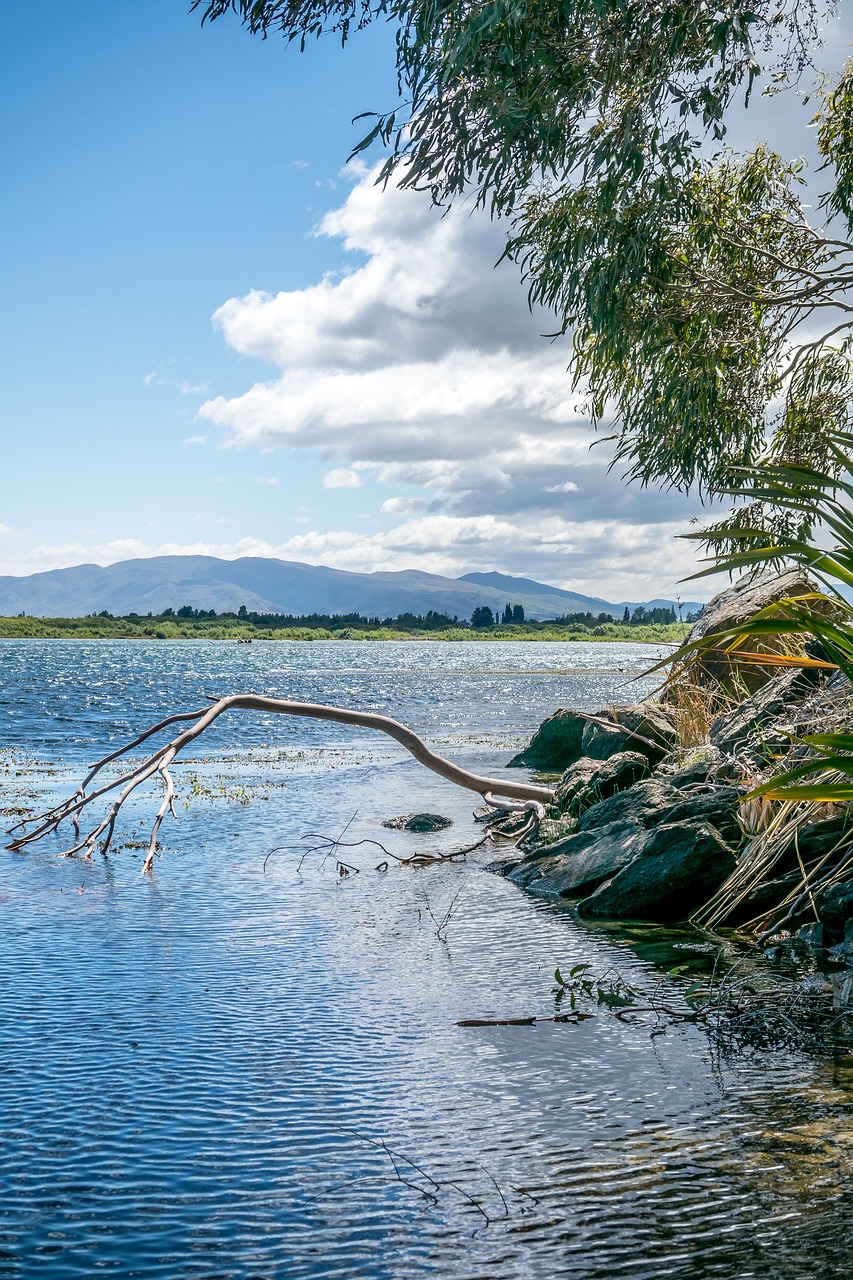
[{"x": 231, "y": 1070}]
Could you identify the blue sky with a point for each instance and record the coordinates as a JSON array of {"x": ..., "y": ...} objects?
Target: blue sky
[
  {"x": 152, "y": 170},
  {"x": 215, "y": 340}
]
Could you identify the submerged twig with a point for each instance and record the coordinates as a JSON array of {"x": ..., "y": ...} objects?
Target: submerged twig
[{"x": 734, "y": 1013}]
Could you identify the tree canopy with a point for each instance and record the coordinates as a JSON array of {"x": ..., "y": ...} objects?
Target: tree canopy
[{"x": 683, "y": 273}]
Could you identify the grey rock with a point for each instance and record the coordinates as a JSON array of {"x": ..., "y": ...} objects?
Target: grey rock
[
  {"x": 764, "y": 899},
  {"x": 656, "y": 802},
  {"x": 646, "y": 727},
  {"x": 418, "y": 822},
  {"x": 579, "y": 863},
  {"x": 835, "y": 907},
  {"x": 819, "y": 838},
  {"x": 638, "y": 804},
  {"x": 842, "y": 990},
  {"x": 684, "y": 856},
  {"x": 553, "y": 829},
  {"x": 555, "y": 745},
  {"x": 709, "y": 764},
  {"x": 844, "y": 950},
  {"x": 717, "y": 805},
  {"x": 588, "y": 781},
  {"x": 812, "y": 935},
  {"x": 678, "y": 868},
  {"x": 753, "y": 725},
  {"x": 733, "y": 606},
  {"x": 814, "y": 841}
]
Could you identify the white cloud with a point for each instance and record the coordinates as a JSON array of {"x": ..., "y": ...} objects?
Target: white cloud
[
  {"x": 191, "y": 440},
  {"x": 605, "y": 557},
  {"x": 426, "y": 351},
  {"x": 424, "y": 364},
  {"x": 341, "y": 478},
  {"x": 271, "y": 480},
  {"x": 403, "y": 506}
]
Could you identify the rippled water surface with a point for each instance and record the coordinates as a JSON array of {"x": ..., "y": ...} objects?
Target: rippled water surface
[{"x": 226, "y": 1070}]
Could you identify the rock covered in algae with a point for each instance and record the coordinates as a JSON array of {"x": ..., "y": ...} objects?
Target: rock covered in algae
[{"x": 418, "y": 822}]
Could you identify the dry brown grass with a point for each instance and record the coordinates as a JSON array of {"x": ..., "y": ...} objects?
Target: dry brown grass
[{"x": 694, "y": 706}]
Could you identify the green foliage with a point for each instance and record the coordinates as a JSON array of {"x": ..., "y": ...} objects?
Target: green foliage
[
  {"x": 483, "y": 617},
  {"x": 581, "y": 984},
  {"x": 271, "y": 627},
  {"x": 835, "y": 139},
  {"x": 494, "y": 94},
  {"x": 681, "y": 309},
  {"x": 818, "y": 504}
]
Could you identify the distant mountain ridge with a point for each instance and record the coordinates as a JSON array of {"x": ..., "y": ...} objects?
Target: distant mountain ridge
[{"x": 265, "y": 585}]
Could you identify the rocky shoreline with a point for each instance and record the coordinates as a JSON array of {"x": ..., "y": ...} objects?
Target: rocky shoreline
[{"x": 646, "y": 827}]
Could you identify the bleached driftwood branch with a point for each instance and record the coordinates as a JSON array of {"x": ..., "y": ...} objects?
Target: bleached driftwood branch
[{"x": 532, "y": 797}]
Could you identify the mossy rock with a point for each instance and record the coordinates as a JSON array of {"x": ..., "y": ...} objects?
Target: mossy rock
[
  {"x": 587, "y": 782},
  {"x": 419, "y": 823}
]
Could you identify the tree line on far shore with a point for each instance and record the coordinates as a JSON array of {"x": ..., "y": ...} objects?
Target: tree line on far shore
[{"x": 483, "y": 617}]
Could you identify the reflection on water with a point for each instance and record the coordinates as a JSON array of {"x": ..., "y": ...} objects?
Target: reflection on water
[{"x": 225, "y": 1072}]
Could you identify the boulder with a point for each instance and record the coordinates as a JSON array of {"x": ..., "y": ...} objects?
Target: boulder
[
  {"x": 704, "y": 764},
  {"x": 819, "y": 838},
  {"x": 835, "y": 907},
  {"x": 566, "y": 736},
  {"x": 764, "y": 900},
  {"x": 678, "y": 868},
  {"x": 588, "y": 781},
  {"x": 754, "y": 725},
  {"x": 418, "y": 822},
  {"x": 718, "y": 806},
  {"x": 843, "y": 952},
  {"x": 579, "y": 863},
  {"x": 642, "y": 850},
  {"x": 646, "y": 727},
  {"x": 814, "y": 841},
  {"x": 656, "y": 802},
  {"x": 555, "y": 745},
  {"x": 812, "y": 935},
  {"x": 842, "y": 990},
  {"x": 553, "y": 829},
  {"x": 638, "y": 804},
  {"x": 733, "y": 606}
]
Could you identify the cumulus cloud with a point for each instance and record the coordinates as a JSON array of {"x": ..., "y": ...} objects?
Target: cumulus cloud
[
  {"x": 426, "y": 352},
  {"x": 424, "y": 364},
  {"x": 403, "y": 506},
  {"x": 341, "y": 478},
  {"x": 605, "y": 557}
]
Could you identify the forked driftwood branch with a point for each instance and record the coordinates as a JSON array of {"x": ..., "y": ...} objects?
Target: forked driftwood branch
[{"x": 531, "y": 797}]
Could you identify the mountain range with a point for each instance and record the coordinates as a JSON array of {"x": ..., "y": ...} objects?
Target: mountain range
[{"x": 265, "y": 585}]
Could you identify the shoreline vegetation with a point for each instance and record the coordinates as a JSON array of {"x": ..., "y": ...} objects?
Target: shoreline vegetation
[{"x": 264, "y": 627}]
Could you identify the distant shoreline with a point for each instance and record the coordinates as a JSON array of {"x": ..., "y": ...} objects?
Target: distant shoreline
[{"x": 98, "y": 628}]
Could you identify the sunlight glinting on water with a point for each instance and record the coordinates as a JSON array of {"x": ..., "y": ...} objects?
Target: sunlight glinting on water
[{"x": 223, "y": 1070}]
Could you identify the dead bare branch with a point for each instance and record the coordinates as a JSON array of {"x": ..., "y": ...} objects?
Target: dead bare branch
[{"x": 158, "y": 762}]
